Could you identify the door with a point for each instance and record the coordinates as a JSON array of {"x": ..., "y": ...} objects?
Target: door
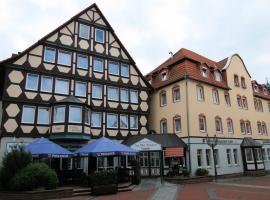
[{"x": 144, "y": 163}]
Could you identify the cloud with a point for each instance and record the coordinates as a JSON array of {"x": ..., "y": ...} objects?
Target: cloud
[{"x": 151, "y": 29}]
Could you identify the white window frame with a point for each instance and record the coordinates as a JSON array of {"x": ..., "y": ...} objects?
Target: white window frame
[
  {"x": 162, "y": 122},
  {"x": 219, "y": 120},
  {"x": 124, "y": 65},
  {"x": 218, "y": 76},
  {"x": 67, "y": 52},
  {"x": 123, "y": 115},
  {"x": 54, "y": 114},
  {"x": 101, "y": 88},
  {"x": 34, "y": 114},
  {"x": 45, "y": 54},
  {"x": 112, "y": 114},
  {"x": 137, "y": 99},
  {"x": 174, "y": 92},
  {"x": 85, "y": 92},
  {"x": 26, "y": 83},
  {"x": 70, "y": 114},
  {"x": 204, "y": 120},
  {"x": 112, "y": 87},
  {"x": 200, "y": 93},
  {"x": 126, "y": 90},
  {"x": 112, "y": 62},
  {"x": 49, "y": 115},
  {"x": 164, "y": 76},
  {"x": 100, "y": 59},
  {"x": 57, "y": 79},
  {"x": 199, "y": 157},
  {"x": 215, "y": 96},
  {"x": 41, "y": 87},
  {"x": 174, "y": 120},
  {"x": 98, "y": 29},
  {"x": 100, "y": 117},
  {"x": 87, "y": 31},
  {"x": 235, "y": 157},
  {"x": 164, "y": 93},
  {"x": 81, "y": 67}
]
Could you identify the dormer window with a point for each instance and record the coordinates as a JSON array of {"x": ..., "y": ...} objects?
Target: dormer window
[
  {"x": 218, "y": 76},
  {"x": 204, "y": 72},
  {"x": 265, "y": 91},
  {"x": 164, "y": 75},
  {"x": 256, "y": 89}
]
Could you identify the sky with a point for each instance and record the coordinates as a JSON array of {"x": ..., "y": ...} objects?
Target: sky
[{"x": 150, "y": 29}]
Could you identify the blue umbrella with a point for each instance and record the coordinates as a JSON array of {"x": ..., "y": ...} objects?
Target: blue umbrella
[
  {"x": 43, "y": 147},
  {"x": 105, "y": 147}
]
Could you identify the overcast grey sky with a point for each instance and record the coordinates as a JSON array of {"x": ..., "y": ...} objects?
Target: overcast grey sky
[{"x": 150, "y": 29}]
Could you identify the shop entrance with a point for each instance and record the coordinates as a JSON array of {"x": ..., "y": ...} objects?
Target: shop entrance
[{"x": 150, "y": 163}]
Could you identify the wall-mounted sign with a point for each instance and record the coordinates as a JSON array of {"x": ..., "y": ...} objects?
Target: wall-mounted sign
[{"x": 146, "y": 145}]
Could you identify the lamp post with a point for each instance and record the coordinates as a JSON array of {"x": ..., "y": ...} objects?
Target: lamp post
[{"x": 212, "y": 143}]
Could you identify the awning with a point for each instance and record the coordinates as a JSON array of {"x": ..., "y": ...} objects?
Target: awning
[
  {"x": 174, "y": 152},
  {"x": 250, "y": 142}
]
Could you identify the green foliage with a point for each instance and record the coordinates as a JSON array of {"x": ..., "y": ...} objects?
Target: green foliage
[
  {"x": 185, "y": 173},
  {"x": 201, "y": 172},
  {"x": 33, "y": 176},
  {"x": 105, "y": 177},
  {"x": 12, "y": 163}
]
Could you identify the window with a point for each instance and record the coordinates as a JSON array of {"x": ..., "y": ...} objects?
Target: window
[
  {"x": 244, "y": 102},
  {"x": 249, "y": 155},
  {"x": 199, "y": 157},
  {"x": 265, "y": 91},
  {"x": 208, "y": 157},
  {"x": 243, "y": 82},
  {"x": 258, "y": 154},
  {"x": 200, "y": 93},
  {"x": 133, "y": 121},
  {"x": 64, "y": 57},
  {"x": 259, "y": 105},
  {"x": 95, "y": 119},
  {"x": 99, "y": 35},
  {"x": 163, "y": 98},
  {"x": 243, "y": 127},
  {"x": 264, "y": 129},
  {"x": 124, "y": 121},
  {"x": 28, "y": 114},
  {"x": 239, "y": 101},
  {"x": 113, "y": 93},
  {"x": 124, "y": 95},
  {"x": 87, "y": 116},
  {"x": 215, "y": 96},
  {"x": 49, "y": 55},
  {"x": 236, "y": 80},
  {"x": 80, "y": 89},
  {"x": 59, "y": 114},
  {"x": 248, "y": 127},
  {"x": 268, "y": 153},
  {"x": 112, "y": 121},
  {"x": 218, "y": 125},
  {"x": 202, "y": 123},
  {"x": 204, "y": 72},
  {"x": 229, "y": 156},
  {"x": 113, "y": 68},
  {"x": 61, "y": 86},
  {"x": 134, "y": 96},
  {"x": 176, "y": 94},
  {"x": 235, "y": 156},
  {"x": 46, "y": 84},
  {"x": 82, "y": 61},
  {"x": 155, "y": 159},
  {"x": 164, "y": 76},
  {"x": 256, "y": 88},
  {"x": 177, "y": 124},
  {"x": 216, "y": 157},
  {"x": 43, "y": 116},
  {"x": 97, "y": 91},
  {"x": 264, "y": 154},
  {"x": 259, "y": 125},
  {"x": 124, "y": 70},
  {"x": 84, "y": 31},
  {"x": 31, "y": 82},
  {"x": 230, "y": 126},
  {"x": 75, "y": 114},
  {"x": 227, "y": 99},
  {"x": 218, "y": 76},
  {"x": 98, "y": 64},
  {"x": 164, "y": 128}
]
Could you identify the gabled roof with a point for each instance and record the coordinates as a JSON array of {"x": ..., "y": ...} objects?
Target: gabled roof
[
  {"x": 20, "y": 54},
  {"x": 70, "y": 99}
]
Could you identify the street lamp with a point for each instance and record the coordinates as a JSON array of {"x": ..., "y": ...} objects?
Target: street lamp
[{"x": 212, "y": 142}]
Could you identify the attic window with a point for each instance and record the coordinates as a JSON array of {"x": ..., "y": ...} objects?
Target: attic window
[
  {"x": 164, "y": 75},
  {"x": 256, "y": 89},
  {"x": 204, "y": 72},
  {"x": 265, "y": 91},
  {"x": 218, "y": 76}
]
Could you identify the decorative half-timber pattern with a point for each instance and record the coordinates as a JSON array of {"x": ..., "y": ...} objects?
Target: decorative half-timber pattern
[{"x": 66, "y": 38}]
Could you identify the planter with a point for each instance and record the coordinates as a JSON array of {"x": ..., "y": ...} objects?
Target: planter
[
  {"x": 104, "y": 189},
  {"x": 190, "y": 180}
]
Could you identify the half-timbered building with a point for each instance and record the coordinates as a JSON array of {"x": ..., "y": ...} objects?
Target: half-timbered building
[{"x": 75, "y": 84}]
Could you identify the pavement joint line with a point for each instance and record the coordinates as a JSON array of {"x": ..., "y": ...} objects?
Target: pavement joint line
[
  {"x": 244, "y": 185},
  {"x": 213, "y": 195}
]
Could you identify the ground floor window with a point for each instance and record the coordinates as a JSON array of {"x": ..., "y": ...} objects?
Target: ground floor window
[
  {"x": 268, "y": 154},
  {"x": 144, "y": 159},
  {"x": 199, "y": 157},
  {"x": 155, "y": 159},
  {"x": 249, "y": 155},
  {"x": 235, "y": 156},
  {"x": 208, "y": 157},
  {"x": 216, "y": 157},
  {"x": 258, "y": 154},
  {"x": 229, "y": 156}
]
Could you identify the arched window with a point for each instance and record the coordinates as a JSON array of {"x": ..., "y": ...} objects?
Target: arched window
[
  {"x": 259, "y": 126},
  {"x": 244, "y": 102},
  {"x": 215, "y": 96},
  {"x": 227, "y": 99},
  {"x": 236, "y": 80},
  {"x": 177, "y": 124},
  {"x": 163, "y": 98},
  {"x": 243, "y": 82},
  {"x": 218, "y": 124},
  {"x": 230, "y": 126},
  {"x": 202, "y": 123},
  {"x": 242, "y": 127},
  {"x": 200, "y": 93},
  {"x": 176, "y": 94},
  {"x": 264, "y": 129},
  {"x": 239, "y": 101},
  {"x": 248, "y": 127},
  {"x": 218, "y": 76},
  {"x": 163, "y": 126}
]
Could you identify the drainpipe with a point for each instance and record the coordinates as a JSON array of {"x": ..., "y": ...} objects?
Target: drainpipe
[{"x": 188, "y": 125}]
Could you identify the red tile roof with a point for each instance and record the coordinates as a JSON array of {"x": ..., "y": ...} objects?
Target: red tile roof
[{"x": 260, "y": 92}]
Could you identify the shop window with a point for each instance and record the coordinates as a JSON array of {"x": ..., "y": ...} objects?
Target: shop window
[
  {"x": 43, "y": 115},
  {"x": 59, "y": 114},
  {"x": 144, "y": 159},
  {"x": 134, "y": 97},
  {"x": 258, "y": 154},
  {"x": 28, "y": 114},
  {"x": 32, "y": 82},
  {"x": 84, "y": 31},
  {"x": 163, "y": 98},
  {"x": 64, "y": 57},
  {"x": 200, "y": 93},
  {"x": 235, "y": 156},
  {"x": 46, "y": 84},
  {"x": 155, "y": 159},
  {"x": 49, "y": 55},
  {"x": 249, "y": 155}
]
